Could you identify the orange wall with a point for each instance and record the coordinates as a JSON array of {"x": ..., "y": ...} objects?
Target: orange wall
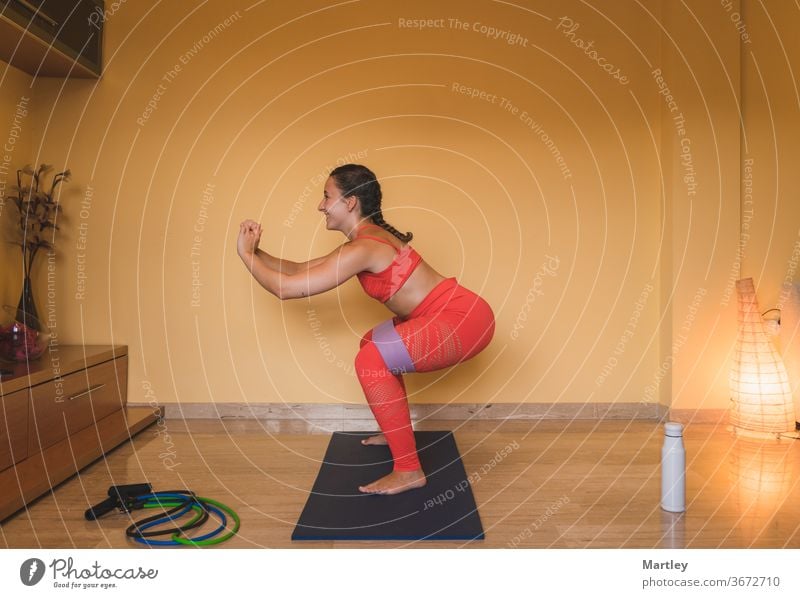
[
  {"x": 563, "y": 205},
  {"x": 18, "y": 119},
  {"x": 700, "y": 145},
  {"x": 771, "y": 187}
]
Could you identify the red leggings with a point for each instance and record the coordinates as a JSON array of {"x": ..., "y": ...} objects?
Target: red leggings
[{"x": 452, "y": 324}]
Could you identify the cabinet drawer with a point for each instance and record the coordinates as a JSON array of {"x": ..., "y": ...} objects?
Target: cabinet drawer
[
  {"x": 13, "y": 428},
  {"x": 60, "y": 408}
]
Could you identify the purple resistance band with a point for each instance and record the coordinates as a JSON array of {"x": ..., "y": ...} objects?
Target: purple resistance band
[{"x": 391, "y": 348}]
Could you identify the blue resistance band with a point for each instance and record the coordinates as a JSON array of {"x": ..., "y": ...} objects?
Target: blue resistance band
[{"x": 158, "y": 497}]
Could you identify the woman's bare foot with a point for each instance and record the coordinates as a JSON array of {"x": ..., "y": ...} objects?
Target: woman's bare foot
[
  {"x": 379, "y": 439},
  {"x": 396, "y": 482}
]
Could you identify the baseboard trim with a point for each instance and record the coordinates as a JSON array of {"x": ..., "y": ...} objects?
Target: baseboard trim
[
  {"x": 699, "y": 416},
  {"x": 419, "y": 411}
]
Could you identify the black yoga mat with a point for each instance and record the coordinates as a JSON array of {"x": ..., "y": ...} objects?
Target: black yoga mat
[{"x": 444, "y": 509}]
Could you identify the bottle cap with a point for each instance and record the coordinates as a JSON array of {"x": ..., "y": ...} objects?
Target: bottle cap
[{"x": 673, "y": 429}]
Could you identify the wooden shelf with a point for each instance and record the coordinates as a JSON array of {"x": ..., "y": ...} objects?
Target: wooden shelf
[{"x": 26, "y": 43}]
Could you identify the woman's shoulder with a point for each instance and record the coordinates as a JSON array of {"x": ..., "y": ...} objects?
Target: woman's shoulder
[{"x": 380, "y": 235}]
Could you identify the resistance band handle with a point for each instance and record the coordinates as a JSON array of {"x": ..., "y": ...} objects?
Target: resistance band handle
[
  {"x": 127, "y": 492},
  {"x": 118, "y": 496},
  {"x": 101, "y": 509}
]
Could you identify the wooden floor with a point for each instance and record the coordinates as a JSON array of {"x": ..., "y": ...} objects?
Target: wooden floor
[{"x": 569, "y": 484}]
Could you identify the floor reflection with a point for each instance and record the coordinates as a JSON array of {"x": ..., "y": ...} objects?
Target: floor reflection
[
  {"x": 673, "y": 530},
  {"x": 762, "y": 474}
]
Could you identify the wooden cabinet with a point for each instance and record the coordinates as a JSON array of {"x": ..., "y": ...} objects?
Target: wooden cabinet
[
  {"x": 60, "y": 414},
  {"x": 13, "y": 428},
  {"x": 53, "y": 38},
  {"x": 59, "y": 409}
]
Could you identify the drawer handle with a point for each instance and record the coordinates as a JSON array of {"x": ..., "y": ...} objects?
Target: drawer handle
[
  {"x": 86, "y": 392},
  {"x": 35, "y": 10}
]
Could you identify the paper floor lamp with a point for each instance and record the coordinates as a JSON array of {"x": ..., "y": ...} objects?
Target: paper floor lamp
[
  {"x": 790, "y": 340},
  {"x": 760, "y": 393}
]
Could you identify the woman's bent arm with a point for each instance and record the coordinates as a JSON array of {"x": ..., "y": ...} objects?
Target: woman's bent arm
[
  {"x": 341, "y": 264},
  {"x": 267, "y": 277},
  {"x": 275, "y": 263}
]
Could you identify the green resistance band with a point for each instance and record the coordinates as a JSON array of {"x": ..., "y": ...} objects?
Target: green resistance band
[{"x": 151, "y": 504}]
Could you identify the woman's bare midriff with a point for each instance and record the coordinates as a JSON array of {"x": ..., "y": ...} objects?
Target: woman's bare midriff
[{"x": 421, "y": 282}]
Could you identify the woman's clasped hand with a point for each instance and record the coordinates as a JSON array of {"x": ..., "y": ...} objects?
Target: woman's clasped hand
[{"x": 249, "y": 237}]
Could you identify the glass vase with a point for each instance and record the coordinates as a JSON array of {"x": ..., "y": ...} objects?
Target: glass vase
[
  {"x": 22, "y": 338},
  {"x": 26, "y": 308}
]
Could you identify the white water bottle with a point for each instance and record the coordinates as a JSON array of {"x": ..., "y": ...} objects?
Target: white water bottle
[{"x": 673, "y": 469}]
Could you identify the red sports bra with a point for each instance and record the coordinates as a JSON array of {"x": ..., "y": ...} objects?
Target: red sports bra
[{"x": 382, "y": 285}]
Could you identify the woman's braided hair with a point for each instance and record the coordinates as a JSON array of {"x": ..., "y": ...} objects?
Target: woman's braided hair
[{"x": 358, "y": 180}]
